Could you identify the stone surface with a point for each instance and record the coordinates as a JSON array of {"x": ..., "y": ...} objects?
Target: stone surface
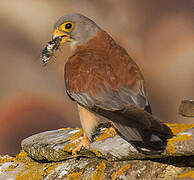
[
  {"x": 24, "y": 168},
  {"x": 187, "y": 108},
  {"x": 48, "y": 156},
  {"x": 57, "y": 145}
]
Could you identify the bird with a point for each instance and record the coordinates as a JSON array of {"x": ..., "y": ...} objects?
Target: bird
[{"x": 104, "y": 80}]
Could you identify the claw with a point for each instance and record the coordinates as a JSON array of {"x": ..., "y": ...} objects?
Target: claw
[
  {"x": 85, "y": 142},
  {"x": 111, "y": 130}
]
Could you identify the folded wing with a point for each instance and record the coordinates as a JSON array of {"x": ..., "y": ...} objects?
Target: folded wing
[{"x": 114, "y": 88}]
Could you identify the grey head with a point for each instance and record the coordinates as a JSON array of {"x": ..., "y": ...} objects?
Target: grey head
[{"x": 75, "y": 28}]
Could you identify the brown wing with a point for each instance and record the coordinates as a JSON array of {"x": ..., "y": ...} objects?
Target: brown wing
[
  {"x": 110, "y": 83},
  {"x": 91, "y": 80}
]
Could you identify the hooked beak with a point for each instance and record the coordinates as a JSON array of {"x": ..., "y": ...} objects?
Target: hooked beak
[{"x": 59, "y": 34}]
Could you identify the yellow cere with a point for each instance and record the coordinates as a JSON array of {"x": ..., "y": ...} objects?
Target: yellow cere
[
  {"x": 63, "y": 26},
  {"x": 57, "y": 32}
]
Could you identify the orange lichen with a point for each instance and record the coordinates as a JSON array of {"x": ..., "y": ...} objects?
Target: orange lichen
[
  {"x": 35, "y": 171},
  {"x": 115, "y": 165},
  {"x": 31, "y": 169},
  {"x": 4, "y": 159},
  {"x": 109, "y": 132},
  {"x": 70, "y": 146},
  {"x": 77, "y": 135},
  {"x": 171, "y": 146},
  {"x": 11, "y": 167},
  {"x": 99, "y": 173},
  {"x": 189, "y": 174},
  {"x": 52, "y": 167},
  {"x": 75, "y": 176},
  {"x": 105, "y": 135},
  {"x": 96, "y": 152},
  {"x": 178, "y": 128},
  {"x": 171, "y": 149},
  {"x": 120, "y": 171},
  {"x": 88, "y": 178},
  {"x": 23, "y": 157},
  {"x": 27, "y": 172},
  {"x": 183, "y": 137}
]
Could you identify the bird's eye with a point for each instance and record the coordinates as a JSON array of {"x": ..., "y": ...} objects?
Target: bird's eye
[{"x": 68, "y": 26}]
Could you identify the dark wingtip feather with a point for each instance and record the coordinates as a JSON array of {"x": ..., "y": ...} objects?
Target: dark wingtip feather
[
  {"x": 148, "y": 109},
  {"x": 149, "y": 145}
]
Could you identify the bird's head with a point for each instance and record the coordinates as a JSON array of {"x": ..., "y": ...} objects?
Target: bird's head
[{"x": 75, "y": 28}]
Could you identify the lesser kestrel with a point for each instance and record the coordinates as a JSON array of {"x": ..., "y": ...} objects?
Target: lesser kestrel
[{"x": 102, "y": 78}]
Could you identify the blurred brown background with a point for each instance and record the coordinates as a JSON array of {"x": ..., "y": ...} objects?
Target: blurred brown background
[{"x": 158, "y": 35}]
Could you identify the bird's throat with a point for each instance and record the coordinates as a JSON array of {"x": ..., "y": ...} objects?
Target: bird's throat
[{"x": 73, "y": 44}]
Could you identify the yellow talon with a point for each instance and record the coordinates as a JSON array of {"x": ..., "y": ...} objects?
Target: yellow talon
[
  {"x": 111, "y": 130},
  {"x": 85, "y": 142}
]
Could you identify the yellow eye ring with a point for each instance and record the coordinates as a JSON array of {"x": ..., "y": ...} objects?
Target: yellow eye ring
[{"x": 67, "y": 26}]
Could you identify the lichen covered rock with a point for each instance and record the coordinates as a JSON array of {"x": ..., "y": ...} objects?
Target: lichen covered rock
[
  {"x": 48, "y": 156},
  {"x": 57, "y": 145},
  {"x": 24, "y": 168}
]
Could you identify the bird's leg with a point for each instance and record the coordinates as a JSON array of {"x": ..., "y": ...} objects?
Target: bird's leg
[{"x": 89, "y": 122}]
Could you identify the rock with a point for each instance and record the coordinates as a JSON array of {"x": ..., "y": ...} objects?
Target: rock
[
  {"x": 187, "y": 108},
  {"x": 48, "y": 156},
  {"x": 23, "y": 168},
  {"x": 57, "y": 145}
]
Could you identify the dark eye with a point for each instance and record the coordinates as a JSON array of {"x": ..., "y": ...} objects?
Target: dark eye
[{"x": 68, "y": 26}]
